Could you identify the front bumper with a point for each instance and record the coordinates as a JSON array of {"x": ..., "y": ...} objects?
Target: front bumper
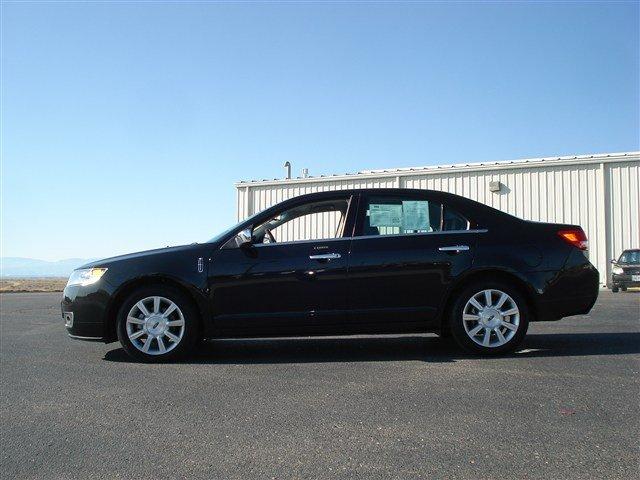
[
  {"x": 84, "y": 310},
  {"x": 625, "y": 280}
]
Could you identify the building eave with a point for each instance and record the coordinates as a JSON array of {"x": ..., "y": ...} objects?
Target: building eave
[{"x": 455, "y": 168}]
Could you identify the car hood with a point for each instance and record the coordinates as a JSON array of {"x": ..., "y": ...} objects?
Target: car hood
[{"x": 140, "y": 255}]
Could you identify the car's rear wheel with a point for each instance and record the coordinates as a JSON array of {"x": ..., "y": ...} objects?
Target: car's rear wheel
[
  {"x": 157, "y": 323},
  {"x": 489, "y": 318}
]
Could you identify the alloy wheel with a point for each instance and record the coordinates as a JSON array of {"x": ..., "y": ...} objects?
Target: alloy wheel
[
  {"x": 155, "y": 325},
  {"x": 491, "y": 318}
]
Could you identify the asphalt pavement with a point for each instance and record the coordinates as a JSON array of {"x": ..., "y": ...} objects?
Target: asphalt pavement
[{"x": 564, "y": 406}]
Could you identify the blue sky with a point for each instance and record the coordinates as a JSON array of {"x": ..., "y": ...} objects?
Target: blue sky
[{"x": 125, "y": 125}]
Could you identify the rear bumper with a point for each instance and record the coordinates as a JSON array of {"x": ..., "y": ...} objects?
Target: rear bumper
[
  {"x": 572, "y": 291},
  {"x": 557, "y": 309}
]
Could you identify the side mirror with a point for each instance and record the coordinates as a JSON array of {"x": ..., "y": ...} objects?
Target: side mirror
[
  {"x": 613, "y": 260},
  {"x": 244, "y": 238}
]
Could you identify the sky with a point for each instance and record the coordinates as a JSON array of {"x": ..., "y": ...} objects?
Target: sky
[{"x": 125, "y": 125}]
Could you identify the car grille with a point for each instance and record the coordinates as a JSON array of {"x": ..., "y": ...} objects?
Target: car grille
[{"x": 631, "y": 270}]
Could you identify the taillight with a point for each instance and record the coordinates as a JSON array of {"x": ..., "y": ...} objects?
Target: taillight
[{"x": 575, "y": 237}]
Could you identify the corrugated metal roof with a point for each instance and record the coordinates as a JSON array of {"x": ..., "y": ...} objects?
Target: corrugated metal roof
[{"x": 457, "y": 166}]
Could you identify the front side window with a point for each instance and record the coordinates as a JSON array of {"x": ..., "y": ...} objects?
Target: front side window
[
  {"x": 319, "y": 220},
  {"x": 399, "y": 215}
]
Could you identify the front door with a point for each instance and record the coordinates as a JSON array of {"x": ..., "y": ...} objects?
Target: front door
[
  {"x": 406, "y": 251},
  {"x": 292, "y": 279}
]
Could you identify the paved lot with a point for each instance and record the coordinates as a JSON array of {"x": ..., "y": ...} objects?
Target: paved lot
[{"x": 389, "y": 407}]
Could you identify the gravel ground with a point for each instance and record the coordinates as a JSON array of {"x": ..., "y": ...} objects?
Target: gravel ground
[
  {"x": 565, "y": 406},
  {"x": 30, "y": 284}
]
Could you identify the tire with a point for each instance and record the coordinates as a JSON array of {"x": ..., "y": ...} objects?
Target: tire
[
  {"x": 624, "y": 289},
  {"x": 614, "y": 289},
  {"x": 162, "y": 316},
  {"x": 506, "y": 318}
]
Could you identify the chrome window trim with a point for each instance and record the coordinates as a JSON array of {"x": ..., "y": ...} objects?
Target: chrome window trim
[
  {"x": 395, "y": 235},
  {"x": 445, "y": 232},
  {"x": 320, "y": 240}
]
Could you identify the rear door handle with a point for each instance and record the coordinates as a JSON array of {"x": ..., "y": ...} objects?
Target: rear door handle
[
  {"x": 454, "y": 248},
  {"x": 325, "y": 256}
]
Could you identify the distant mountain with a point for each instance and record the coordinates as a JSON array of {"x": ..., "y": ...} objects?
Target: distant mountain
[{"x": 31, "y": 267}]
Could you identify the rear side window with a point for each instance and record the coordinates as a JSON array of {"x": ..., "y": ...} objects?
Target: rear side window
[
  {"x": 452, "y": 220},
  {"x": 398, "y": 215}
]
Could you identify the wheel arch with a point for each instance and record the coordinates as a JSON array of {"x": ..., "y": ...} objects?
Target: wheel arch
[
  {"x": 509, "y": 277},
  {"x": 149, "y": 280}
]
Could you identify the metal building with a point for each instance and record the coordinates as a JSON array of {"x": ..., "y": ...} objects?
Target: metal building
[{"x": 599, "y": 192}]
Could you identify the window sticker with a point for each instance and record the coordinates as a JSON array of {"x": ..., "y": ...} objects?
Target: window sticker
[
  {"x": 385, "y": 215},
  {"x": 415, "y": 215}
]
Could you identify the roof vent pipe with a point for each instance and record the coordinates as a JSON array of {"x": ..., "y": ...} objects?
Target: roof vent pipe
[
  {"x": 287, "y": 166},
  {"x": 305, "y": 173}
]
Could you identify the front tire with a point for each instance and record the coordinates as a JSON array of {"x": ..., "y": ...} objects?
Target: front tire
[
  {"x": 157, "y": 324},
  {"x": 489, "y": 318},
  {"x": 614, "y": 289}
]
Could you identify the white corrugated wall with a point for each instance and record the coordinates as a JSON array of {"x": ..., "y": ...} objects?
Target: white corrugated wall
[
  {"x": 623, "y": 187},
  {"x": 599, "y": 192}
]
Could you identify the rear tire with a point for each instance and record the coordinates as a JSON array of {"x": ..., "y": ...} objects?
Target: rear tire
[
  {"x": 624, "y": 289},
  {"x": 489, "y": 318},
  {"x": 158, "y": 324}
]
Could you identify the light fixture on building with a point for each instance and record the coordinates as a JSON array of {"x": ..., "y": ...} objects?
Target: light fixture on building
[{"x": 495, "y": 186}]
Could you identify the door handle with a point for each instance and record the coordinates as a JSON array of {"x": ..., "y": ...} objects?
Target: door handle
[
  {"x": 325, "y": 256},
  {"x": 454, "y": 248}
]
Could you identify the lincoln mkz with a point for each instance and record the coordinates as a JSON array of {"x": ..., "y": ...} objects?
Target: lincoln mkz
[{"x": 376, "y": 261}]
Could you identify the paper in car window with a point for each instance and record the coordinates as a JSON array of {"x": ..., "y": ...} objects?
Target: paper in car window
[
  {"x": 415, "y": 215},
  {"x": 385, "y": 215}
]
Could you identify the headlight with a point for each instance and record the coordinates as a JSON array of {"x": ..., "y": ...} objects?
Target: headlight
[
  {"x": 86, "y": 276},
  {"x": 617, "y": 270}
]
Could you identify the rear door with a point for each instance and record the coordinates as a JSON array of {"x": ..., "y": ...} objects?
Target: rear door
[{"x": 406, "y": 252}]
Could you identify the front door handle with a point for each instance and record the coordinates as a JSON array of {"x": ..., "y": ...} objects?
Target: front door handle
[
  {"x": 325, "y": 256},
  {"x": 454, "y": 248}
]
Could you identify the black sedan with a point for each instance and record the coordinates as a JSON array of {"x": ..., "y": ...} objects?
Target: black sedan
[
  {"x": 626, "y": 271},
  {"x": 377, "y": 261}
]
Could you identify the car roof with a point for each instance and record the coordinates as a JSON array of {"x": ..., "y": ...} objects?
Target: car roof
[
  {"x": 440, "y": 195},
  {"x": 352, "y": 191}
]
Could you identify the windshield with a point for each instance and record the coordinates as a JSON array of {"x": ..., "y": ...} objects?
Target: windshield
[
  {"x": 630, "y": 256},
  {"x": 235, "y": 228}
]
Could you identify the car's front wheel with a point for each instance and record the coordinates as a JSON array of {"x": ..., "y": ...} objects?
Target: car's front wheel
[
  {"x": 157, "y": 323},
  {"x": 489, "y": 318}
]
